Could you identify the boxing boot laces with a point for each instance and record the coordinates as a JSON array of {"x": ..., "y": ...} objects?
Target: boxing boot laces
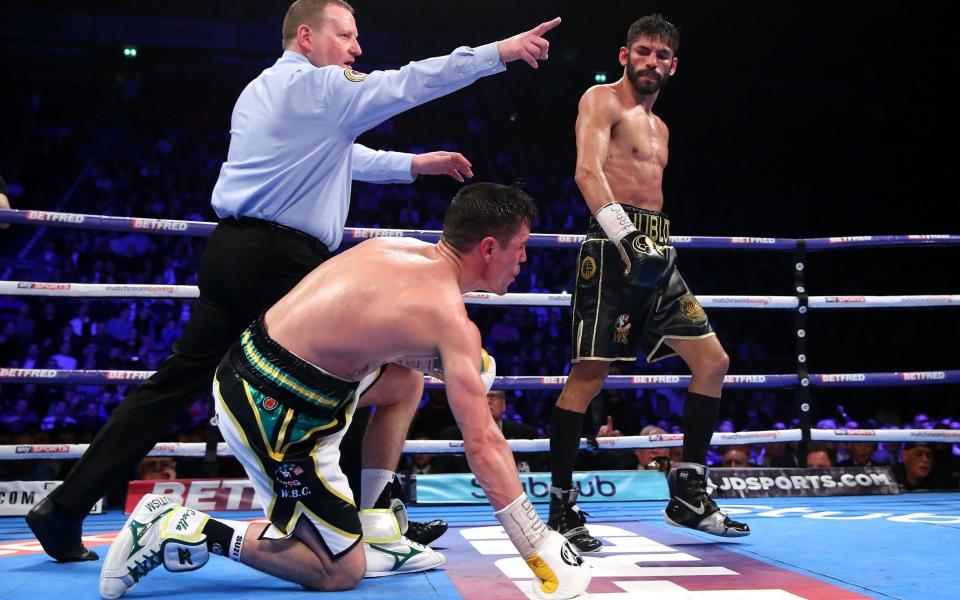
[{"x": 567, "y": 519}]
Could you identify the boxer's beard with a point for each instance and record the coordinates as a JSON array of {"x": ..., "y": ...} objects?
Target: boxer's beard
[{"x": 646, "y": 86}]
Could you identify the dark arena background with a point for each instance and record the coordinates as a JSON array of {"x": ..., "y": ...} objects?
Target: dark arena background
[{"x": 826, "y": 122}]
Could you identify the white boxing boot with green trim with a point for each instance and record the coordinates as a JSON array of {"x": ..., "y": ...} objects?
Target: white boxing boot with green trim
[
  {"x": 158, "y": 532},
  {"x": 388, "y": 552}
]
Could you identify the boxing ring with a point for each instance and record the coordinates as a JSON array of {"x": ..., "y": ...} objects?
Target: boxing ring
[{"x": 902, "y": 546}]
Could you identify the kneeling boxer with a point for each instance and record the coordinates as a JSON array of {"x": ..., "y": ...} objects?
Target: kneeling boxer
[{"x": 286, "y": 392}]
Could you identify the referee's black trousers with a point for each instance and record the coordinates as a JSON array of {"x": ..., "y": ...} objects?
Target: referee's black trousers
[{"x": 248, "y": 265}]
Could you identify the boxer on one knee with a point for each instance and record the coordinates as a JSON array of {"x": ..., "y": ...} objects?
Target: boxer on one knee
[{"x": 286, "y": 391}]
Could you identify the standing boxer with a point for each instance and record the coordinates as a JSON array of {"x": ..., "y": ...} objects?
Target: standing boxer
[{"x": 629, "y": 295}]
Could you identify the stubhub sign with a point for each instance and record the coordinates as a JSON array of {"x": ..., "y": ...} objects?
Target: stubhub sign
[{"x": 595, "y": 486}]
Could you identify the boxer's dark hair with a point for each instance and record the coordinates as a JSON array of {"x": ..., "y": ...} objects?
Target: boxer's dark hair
[
  {"x": 486, "y": 209},
  {"x": 309, "y": 12},
  {"x": 656, "y": 27}
]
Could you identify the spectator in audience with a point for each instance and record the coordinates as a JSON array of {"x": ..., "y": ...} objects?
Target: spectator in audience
[
  {"x": 119, "y": 327},
  {"x": 917, "y": 472},
  {"x": 512, "y": 430},
  {"x": 779, "y": 454},
  {"x": 91, "y": 419},
  {"x": 10, "y": 344},
  {"x": 59, "y": 417},
  {"x": 652, "y": 459},
  {"x": 21, "y": 418},
  {"x": 861, "y": 455},
  {"x": 887, "y": 453},
  {"x": 736, "y": 457},
  {"x": 946, "y": 462},
  {"x": 922, "y": 421},
  {"x": 81, "y": 322},
  {"x": 63, "y": 358},
  {"x": 157, "y": 468},
  {"x": 820, "y": 456},
  {"x": 33, "y": 359},
  {"x": 50, "y": 325},
  {"x": 25, "y": 324},
  {"x": 505, "y": 333},
  {"x": 418, "y": 464}
]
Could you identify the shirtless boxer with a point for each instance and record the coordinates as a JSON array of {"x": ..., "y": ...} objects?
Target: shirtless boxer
[
  {"x": 629, "y": 295},
  {"x": 286, "y": 391}
]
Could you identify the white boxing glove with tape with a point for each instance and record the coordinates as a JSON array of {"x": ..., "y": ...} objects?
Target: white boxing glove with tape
[
  {"x": 488, "y": 370},
  {"x": 559, "y": 570},
  {"x": 434, "y": 368}
]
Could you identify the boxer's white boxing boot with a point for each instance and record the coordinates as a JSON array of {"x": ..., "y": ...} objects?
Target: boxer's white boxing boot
[
  {"x": 387, "y": 551},
  {"x": 158, "y": 532},
  {"x": 559, "y": 570}
]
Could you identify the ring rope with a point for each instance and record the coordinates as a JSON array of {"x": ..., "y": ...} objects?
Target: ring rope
[
  {"x": 200, "y": 229},
  {"x": 563, "y": 299},
  {"x": 542, "y": 382},
  {"x": 537, "y": 240},
  {"x": 664, "y": 440}
]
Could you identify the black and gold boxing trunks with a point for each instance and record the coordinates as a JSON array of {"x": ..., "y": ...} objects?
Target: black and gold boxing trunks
[
  {"x": 612, "y": 319},
  {"x": 283, "y": 419}
]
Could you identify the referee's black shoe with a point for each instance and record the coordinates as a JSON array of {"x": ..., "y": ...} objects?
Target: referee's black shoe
[
  {"x": 568, "y": 520},
  {"x": 690, "y": 504},
  {"x": 425, "y": 532},
  {"x": 58, "y": 531},
  {"x": 416, "y": 531}
]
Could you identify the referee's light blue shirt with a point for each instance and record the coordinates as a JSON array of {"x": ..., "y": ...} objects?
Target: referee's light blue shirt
[{"x": 292, "y": 152}]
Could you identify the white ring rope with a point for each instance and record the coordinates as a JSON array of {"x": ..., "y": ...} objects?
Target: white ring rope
[
  {"x": 116, "y": 290},
  {"x": 193, "y": 449}
]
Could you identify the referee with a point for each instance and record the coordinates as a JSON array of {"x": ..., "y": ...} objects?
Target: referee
[{"x": 282, "y": 198}]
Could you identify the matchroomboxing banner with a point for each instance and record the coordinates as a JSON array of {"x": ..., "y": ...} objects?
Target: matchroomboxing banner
[
  {"x": 18, "y": 497},
  {"x": 776, "y": 483},
  {"x": 595, "y": 486}
]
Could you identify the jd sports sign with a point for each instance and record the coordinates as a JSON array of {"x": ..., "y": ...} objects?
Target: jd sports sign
[{"x": 774, "y": 483}]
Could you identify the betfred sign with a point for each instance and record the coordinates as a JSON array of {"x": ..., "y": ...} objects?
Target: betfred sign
[{"x": 200, "y": 494}]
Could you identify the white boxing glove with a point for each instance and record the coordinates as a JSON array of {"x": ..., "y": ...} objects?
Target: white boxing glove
[
  {"x": 488, "y": 370},
  {"x": 434, "y": 368},
  {"x": 560, "y": 572}
]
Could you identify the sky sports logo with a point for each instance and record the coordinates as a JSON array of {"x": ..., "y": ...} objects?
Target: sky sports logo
[
  {"x": 845, "y": 299},
  {"x": 43, "y": 285}
]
